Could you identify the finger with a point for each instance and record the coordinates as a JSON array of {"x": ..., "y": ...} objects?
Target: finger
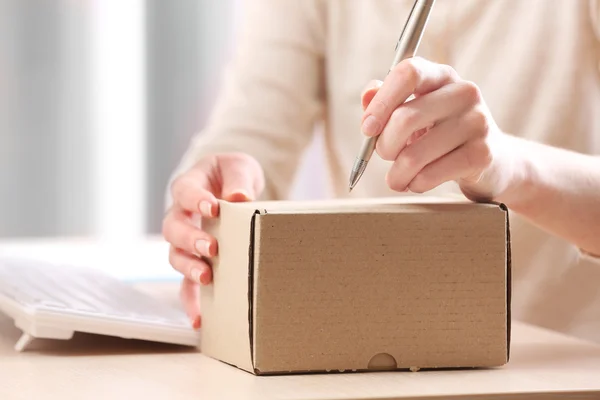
[
  {"x": 192, "y": 268},
  {"x": 241, "y": 177},
  {"x": 437, "y": 142},
  {"x": 191, "y": 191},
  {"x": 189, "y": 293},
  {"x": 411, "y": 76},
  {"x": 183, "y": 235},
  {"x": 369, "y": 92},
  {"x": 422, "y": 113},
  {"x": 465, "y": 162}
]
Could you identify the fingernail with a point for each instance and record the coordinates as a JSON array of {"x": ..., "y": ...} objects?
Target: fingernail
[
  {"x": 242, "y": 192},
  {"x": 204, "y": 279},
  {"x": 203, "y": 247},
  {"x": 196, "y": 275},
  {"x": 206, "y": 208},
  {"x": 195, "y": 322},
  {"x": 238, "y": 195},
  {"x": 371, "y": 125}
]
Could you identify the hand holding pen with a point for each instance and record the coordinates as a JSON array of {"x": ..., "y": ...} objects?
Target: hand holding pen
[
  {"x": 405, "y": 48},
  {"x": 446, "y": 133}
]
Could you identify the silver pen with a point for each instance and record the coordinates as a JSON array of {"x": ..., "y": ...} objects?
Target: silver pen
[{"x": 405, "y": 48}]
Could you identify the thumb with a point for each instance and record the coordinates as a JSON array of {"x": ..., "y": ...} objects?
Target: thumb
[
  {"x": 242, "y": 178},
  {"x": 369, "y": 92}
]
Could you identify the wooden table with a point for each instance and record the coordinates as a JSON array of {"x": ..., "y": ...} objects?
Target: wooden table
[{"x": 543, "y": 365}]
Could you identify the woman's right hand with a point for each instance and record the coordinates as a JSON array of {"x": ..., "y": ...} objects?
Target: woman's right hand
[{"x": 233, "y": 177}]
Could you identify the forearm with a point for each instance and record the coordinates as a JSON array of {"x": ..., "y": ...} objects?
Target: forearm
[{"x": 558, "y": 191}]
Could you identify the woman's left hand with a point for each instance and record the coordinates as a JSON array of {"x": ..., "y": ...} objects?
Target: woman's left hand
[{"x": 445, "y": 133}]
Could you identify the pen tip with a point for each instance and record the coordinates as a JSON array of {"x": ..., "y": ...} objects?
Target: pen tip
[
  {"x": 351, "y": 186},
  {"x": 353, "y": 181},
  {"x": 357, "y": 171}
]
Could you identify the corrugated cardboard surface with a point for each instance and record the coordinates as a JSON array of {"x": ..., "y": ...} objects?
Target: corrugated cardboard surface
[
  {"x": 336, "y": 285},
  {"x": 225, "y": 332}
]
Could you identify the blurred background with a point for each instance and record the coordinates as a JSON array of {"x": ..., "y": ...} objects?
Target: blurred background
[{"x": 98, "y": 102}]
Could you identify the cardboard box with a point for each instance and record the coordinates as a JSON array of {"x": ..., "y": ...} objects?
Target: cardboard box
[{"x": 357, "y": 285}]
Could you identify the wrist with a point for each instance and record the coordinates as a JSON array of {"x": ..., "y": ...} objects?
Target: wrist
[{"x": 521, "y": 193}]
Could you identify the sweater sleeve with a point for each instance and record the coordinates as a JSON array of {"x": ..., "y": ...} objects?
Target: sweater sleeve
[{"x": 272, "y": 94}]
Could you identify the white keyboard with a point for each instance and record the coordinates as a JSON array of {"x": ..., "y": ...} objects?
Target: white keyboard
[{"x": 54, "y": 301}]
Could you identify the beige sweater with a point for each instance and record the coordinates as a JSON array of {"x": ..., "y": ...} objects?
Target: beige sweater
[{"x": 302, "y": 62}]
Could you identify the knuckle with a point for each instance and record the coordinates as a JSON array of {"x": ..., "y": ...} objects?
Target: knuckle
[
  {"x": 471, "y": 92},
  {"x": 479, "y": 121},
  {"x": 411, "y": 119},
  {"x": 405, "y": 117},
  {"x": 410, "y": 160},
  {"x": 393, "y": 182},
  {"x": 378, "y": 106},
  {"x": 420, "y": 184},
  {"x": 479, "y": 155},
  {"x": 178, "y": 186},
  {"x": 410, "y": 71},
  {"x": 397, "y": 115},
  {"x": 383, "y": 149},
  {"x": 451, "y": 72}
]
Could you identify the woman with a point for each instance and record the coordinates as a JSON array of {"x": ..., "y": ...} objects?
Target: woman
[{"x": 506, "y": 108}]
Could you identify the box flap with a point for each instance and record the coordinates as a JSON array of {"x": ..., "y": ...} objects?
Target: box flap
[
  {"x": 225, "y": 305},
  {"x": 410, "y": 203}
]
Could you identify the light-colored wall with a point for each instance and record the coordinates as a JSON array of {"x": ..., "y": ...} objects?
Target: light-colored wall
[
  {"x": 44, "y": 118},
  {"x": 84, "y": 150}
]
